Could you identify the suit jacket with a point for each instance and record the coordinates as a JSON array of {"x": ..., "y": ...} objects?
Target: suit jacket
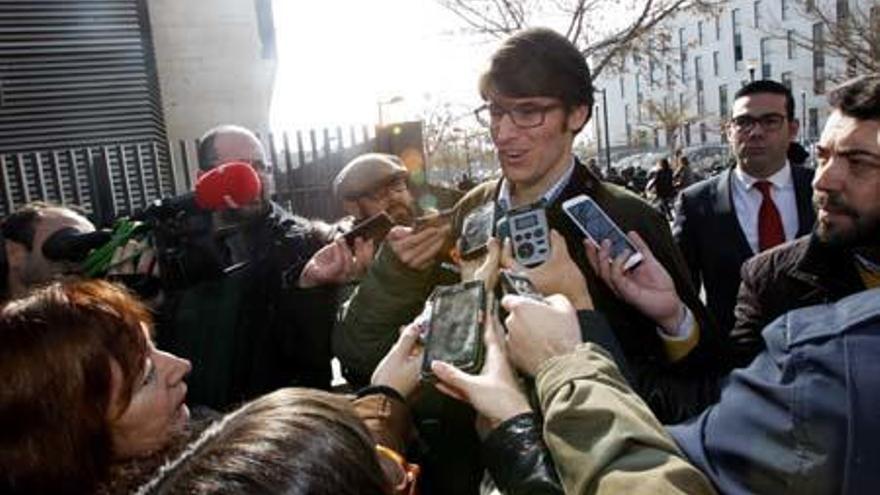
[{"x": 713, "y": 244}]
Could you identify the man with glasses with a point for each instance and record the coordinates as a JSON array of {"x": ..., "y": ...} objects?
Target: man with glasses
[
  {"x": 265, "y": 322},
  {"x": 538, "y": 95},
  {"x": 761, "y": 202},
  {"x": 372, "y": 183}
]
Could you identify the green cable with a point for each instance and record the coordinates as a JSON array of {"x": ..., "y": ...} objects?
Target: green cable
[{"x": 98, "y": 261}]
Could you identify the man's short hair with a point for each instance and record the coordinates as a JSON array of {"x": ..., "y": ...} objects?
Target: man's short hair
[
  {"x": 207, "y": 154},
  {"x": 22, "y": 223},
  {"x": 858, "y": 97},
  {"x": 772, "y": 87},
  {"x": 539, "y": 62}
]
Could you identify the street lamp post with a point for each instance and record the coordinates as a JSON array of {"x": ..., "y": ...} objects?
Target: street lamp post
[
  {"x": 607, "y": 142},
  {"x": 382, "y": 103},
  {"x": 804, "y": 118},
  {"x": 598, "y": 133}
]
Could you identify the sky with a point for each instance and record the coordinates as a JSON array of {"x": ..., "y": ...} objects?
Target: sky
[{"x": 338, "y": 58}]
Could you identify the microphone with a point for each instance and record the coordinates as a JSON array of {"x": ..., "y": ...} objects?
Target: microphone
[
  {"x": 228, "y": 186},
  {"x": 69, "y": 244}
]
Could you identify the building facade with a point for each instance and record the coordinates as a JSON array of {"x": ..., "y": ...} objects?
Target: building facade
[{"x": 682, "y": 94}]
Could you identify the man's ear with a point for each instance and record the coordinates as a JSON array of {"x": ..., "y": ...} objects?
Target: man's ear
[{"x": 578, "y": 117}]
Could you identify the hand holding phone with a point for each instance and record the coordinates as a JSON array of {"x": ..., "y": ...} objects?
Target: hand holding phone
[
  {"x": 456, "y": 329},
  {"x": 433, "y": 219},
  {"x": 598, "y": 226},
  {"x": 374, "y": 228}
]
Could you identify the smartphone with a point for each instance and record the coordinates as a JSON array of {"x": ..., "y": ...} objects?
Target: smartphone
[
  {"x": 518, "y": 285},
  {"x": 476, "y": 231},
  {"x": 455, "y": 333},
  {"x": 598, "y": 226},
  {"x": 376, "y": 228},
  {"x": 434, "y": 219}
]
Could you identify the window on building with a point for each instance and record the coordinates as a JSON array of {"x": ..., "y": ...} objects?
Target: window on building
[
  {"x": 680, "y": 103},
  {"x": 698, "y": 77},
  {"x": 765, "y": 58},
  {"x": 668, "y": 75},
  {"x": 809, "y": 5},
  {"x": 757, "y": 13},
  {"x": 737, "y": 39},
  {"x": 818, "y": 58},
  {"x": 266, "y": 28},
  {"x": 687, "y": 134},
  {"x": 814, "y": 123},
  {"x": 785, "y": 5},
  {"x": 851, "y": 67},
  {"x": 700, "y": 33},
  {"x": 791, "y": 43},
  {"x": 715, "y": 64},
  {"x": 622, "y": 94},
  {"x": 786, "y": 80},
  {"x": 722, "y": 101},
  {"x": 718, "y": 27},
  {"x": 656, "y": 138},
  {"x": 702, "y": 132},
  {"x": 842, "y": 10}
]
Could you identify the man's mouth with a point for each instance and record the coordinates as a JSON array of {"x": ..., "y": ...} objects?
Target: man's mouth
[{"x": 512, "y": 154}]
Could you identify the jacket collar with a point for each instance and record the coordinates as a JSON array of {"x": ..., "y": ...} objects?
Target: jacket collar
[{"x": 829, "y": 268}]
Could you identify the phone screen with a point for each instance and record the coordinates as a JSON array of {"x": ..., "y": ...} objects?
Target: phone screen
[
  {"x": 596, "y": 224},
  {"x": 456, "y": 335}
]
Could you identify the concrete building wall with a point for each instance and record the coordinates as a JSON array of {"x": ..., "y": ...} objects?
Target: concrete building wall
[
  {"x": 216, "y": 63},
  {"x": 627, "y": 107}
]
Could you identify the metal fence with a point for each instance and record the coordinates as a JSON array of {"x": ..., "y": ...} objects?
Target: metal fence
[{"x": 112, "y": 181}]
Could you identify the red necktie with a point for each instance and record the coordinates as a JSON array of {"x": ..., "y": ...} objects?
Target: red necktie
[{"x": 770, "y": 231}]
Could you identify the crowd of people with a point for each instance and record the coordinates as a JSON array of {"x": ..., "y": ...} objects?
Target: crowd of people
[{"x": 620, "y": 379}]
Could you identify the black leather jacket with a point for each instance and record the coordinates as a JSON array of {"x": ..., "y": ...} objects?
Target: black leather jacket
[{"x": 518, "y": 459}]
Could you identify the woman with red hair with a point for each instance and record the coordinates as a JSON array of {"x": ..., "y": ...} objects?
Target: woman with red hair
[{"x": 83, "y": 387}]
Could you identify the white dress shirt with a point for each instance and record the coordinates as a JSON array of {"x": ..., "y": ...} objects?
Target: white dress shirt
[{"x": 747, "y": 202}]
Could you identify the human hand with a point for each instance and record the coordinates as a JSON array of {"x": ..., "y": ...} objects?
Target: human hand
[
  {"x": 399, "y": 369},
  {"x": 135, "y": 257},
  {"x": 484, "y": 268},
  {"x": 333, "y": 264},
  {"x": 495, "y": 393},
  {"x": 417, "y": 249},
  {"x": 558, "y": 275},
  {"x": 647, "y": 286},
  {"x": 538, "y": 331}
]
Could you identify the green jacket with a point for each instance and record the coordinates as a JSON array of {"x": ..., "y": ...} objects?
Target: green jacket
[
  {"x": 602, "y": 436},
  {"x": 392, "y": 294}
]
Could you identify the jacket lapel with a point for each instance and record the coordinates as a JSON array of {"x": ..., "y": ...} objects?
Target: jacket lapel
[{"x": 728, "y": 224}]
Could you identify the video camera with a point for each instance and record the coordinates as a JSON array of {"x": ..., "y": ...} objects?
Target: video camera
[{"x": 178, "y": 228}]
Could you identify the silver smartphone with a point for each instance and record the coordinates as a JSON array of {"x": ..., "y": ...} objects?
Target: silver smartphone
[{"x": 598, "y": 226}]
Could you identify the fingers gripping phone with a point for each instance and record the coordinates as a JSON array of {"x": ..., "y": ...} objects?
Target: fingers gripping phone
[
  {"x": 376, "y": 228},
  {"x": 456, "y": 328},
  {"x": 518, "y": 285},
  {"x": 598, "y": 226}
]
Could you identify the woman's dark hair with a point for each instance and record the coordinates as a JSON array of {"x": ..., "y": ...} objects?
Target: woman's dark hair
[
  {"x": 539, "y": 62},
  {"x": 858, "y": 97},
  {"x": 664, "y": 163},
  {"x": 292, "y": 441},
  {"x": 56, "y": 401}
]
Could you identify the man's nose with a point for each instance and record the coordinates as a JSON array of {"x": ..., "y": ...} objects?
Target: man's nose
[{"x": 504, "y": 129}]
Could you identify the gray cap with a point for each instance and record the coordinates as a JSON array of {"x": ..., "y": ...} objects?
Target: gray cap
[{"x": 365, "y": 173}]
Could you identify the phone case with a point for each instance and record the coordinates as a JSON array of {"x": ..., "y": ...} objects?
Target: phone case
[
  {"x": 456, "y": 328},
  {"x": 476, "y": 230}
]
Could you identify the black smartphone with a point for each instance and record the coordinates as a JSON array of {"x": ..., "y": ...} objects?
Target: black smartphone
[
  {"x": 518, "y": 285},
  {"x": 598, "y": 226},
  {"x": 476, "y": 231},
  {"x": 456, "y": 328},
  {"x": 376, "y": 228}
]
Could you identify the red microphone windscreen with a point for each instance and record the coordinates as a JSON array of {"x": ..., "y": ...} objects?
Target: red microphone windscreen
[{"x": 230, "y": 185}]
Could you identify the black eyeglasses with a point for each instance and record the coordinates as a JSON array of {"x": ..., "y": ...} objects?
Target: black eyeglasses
[
  {"x": 524, "y": 116},
  {"x": 768, "y": 122}
]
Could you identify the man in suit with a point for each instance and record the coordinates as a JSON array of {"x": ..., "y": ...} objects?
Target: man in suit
[{"x": 762, "y": 201}]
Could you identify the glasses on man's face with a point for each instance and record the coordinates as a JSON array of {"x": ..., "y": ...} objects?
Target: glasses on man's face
[
  {"x": 524, "y": 116},
  {"x": 381, "y": 193},
  {"x": 768, "y": 122}
]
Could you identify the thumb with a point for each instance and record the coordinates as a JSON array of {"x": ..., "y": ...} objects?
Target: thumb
[
  {"x": 408, "y": 338},
  {"x": 452, "y": 377},
  {"x": 558, "y": 301},
  {"x": 507, "y": 259}
]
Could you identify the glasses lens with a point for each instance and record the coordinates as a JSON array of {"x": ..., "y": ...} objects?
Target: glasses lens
[
  {"x": 528, "y": 116},
  {"x": 772, "y": 122},
  {"x": 743, "y": 123}
]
